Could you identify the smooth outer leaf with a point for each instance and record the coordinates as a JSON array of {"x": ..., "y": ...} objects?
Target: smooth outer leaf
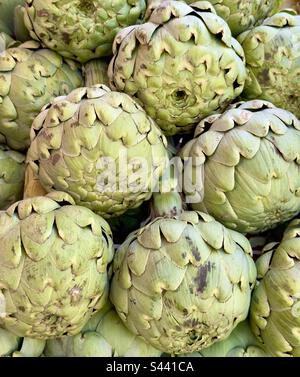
[
  {"x": 186, "y": 287},
  {"x": 73, "y": 135},
  {"x": 275, "y": 307},
  {"x": 53, "y": 266},
  {"x": 182, "y": 64},
  {"x": 249, "y": 161}
]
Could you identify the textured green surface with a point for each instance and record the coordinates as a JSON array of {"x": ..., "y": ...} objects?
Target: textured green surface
[
  {"x": 273, "y": 58},
  {"x": 53, "y": 266},
  {"x": 182, "y": 64},
  {"x": 81, "y": 29},
  {"x": 249, "y": 159},
  {"x": 183, "y": 283}
]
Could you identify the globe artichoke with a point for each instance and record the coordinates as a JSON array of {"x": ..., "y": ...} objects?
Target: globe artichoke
[
  {"x": 53, "y": 266},
  {"x": 103, "y": 336},
  {"x": 242, "y": 15},
  {"x": 30, "y": 78},
  {"x": 273, "y": 59},
  {"x": 183, "y": 282},
  {"x": 81, "y": 30},
  {"x": 240, "y": 343},
  {"x": 275, "y": 313},
  {"x": 249, "y": 159},
  {"x": 100, "y": 147},
  {"x": 12, "y": 345},
  {"x": 183, "y": 64},
  {"x": 12, "y": 171}
]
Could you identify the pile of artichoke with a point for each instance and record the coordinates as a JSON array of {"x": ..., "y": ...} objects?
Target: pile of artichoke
[{"x": 149, "y": 178}]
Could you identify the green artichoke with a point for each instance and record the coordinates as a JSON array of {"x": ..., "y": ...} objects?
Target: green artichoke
[
  {"x": 273, "y": 59},
  {"x": 242, "y": 15},
  {"x": 12, "y": 175},
  {"x": 183, "y": 283},
  {"x": 103, "y": 336},
  {"x": 240, "y": 343},
  {"x": 12, "y": 345},
  {"x": 275, "y": 306},
  {"x": 81, "y": 30},
  {"x": 100, "y": 147},
  {"x": 30, "y": 78},
  {"x": 53, "y": 266},
  {"x": 249, "y": 159},
  {"x": 7, "y": 15},
  {"x": 183, "y": 64}
]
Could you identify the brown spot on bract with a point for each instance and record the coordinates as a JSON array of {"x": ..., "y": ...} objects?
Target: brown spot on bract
[
  {"x": 55, "y": 159},
  {"x": 265, "y": 76},
  {"x": 201, "y": 278},
  {"x": 42, "y": 13}
]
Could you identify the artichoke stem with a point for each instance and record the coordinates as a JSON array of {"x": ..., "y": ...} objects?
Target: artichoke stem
[
  {"x": 32, "y": 186},
  {"x": 95, "y": 72},
  {"x": 167, "y": 204}
]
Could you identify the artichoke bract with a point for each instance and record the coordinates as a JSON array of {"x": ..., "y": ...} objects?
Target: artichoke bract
[
  {"x": 103, "y": 336},
  {"x": 273, "y": 59},
  {"x": 53, "y": 266},
  {"x": 12, "y": 345},
  {"x": 30, "y": 78},
  {"x": 242, "y": 15},
  {"x": 183, "y": 64},
  {"x": 275, "y": 305},
  {"x": 81, "y": 30},
  {"x": 183, "y": 282},
  {"x": 12, "y": 175},
  {"x": 240, "y": 343},
  {"x": 249, "y": 159},
  {"x": 100, "y": 147}
]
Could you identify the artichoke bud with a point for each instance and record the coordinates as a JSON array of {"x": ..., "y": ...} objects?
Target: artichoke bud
[
  {"x": 275, "y": 306},
  {"x": 47, "y": 243}
]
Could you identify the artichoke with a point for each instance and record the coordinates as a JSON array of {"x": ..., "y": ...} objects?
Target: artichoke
[
  {"x": 81, "y": 30},
  {"x": 103, "y": 336},
  {"x": 273, "y": 59},
  {"x": 12, "y": 345},
  {"x": 12, "y": 175},
  {"x": 242, "y": 15},
  {"x": 53, "y": 266},
  {"x": 7, "y": 15},
  {"x": 30, "y": 78},
  {"x": 240, "y": 343},
  {"x": 100, "y": 147},
  {"x": 183, "y": 282},
  {"x": 249, "y": 159},
  {"x": 183, "y": 64},
  {"x": 275, "y": 306}
]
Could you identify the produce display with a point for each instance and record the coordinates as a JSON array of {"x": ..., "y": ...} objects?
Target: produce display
[{"x": 150, "y": 178}]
